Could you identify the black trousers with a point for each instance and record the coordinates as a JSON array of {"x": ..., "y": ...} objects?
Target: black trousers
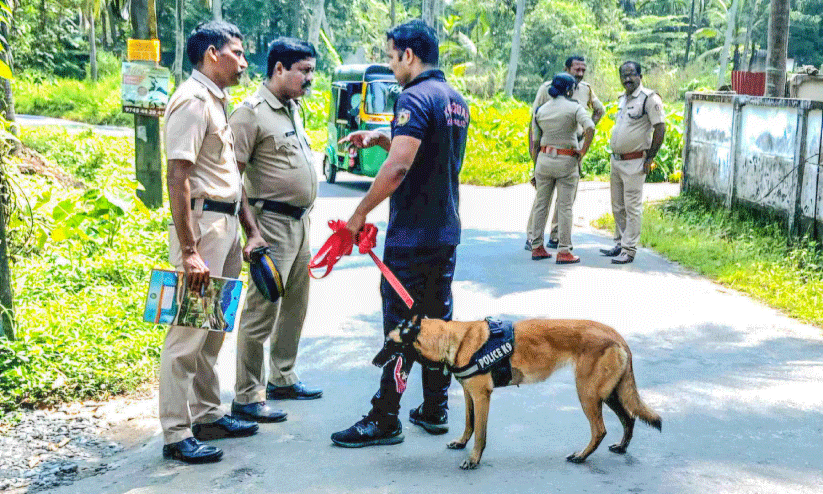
[{"x": 426, "y": 273}]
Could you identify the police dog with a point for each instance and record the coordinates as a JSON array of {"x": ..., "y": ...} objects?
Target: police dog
[{"x": 601, "y": 359}]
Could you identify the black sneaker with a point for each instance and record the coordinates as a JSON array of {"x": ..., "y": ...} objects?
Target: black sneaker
[
  {"x": 434, "y": 423},
  {"x": 369, "y": 432}
]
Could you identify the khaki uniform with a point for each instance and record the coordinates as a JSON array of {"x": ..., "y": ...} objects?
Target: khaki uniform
[
  {"x": 583, "y": 94},
  {"x": 555, "y": 124},
  {"x": 271, "y": 140},
  {"x": 197, "y": 130},
  {"x": 638, "y": 114}
]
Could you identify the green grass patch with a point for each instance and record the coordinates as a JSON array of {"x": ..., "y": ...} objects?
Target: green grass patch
[
  {"x": 739, "y": 251},
  {"x": 80, "y": 265},
  {"x": 96, "y": 103}
]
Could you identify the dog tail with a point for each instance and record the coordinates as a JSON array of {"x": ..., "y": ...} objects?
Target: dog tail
[{"x": 630, "y": 398}]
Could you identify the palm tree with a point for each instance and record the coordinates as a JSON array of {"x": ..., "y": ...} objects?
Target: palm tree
[
  {"x": 778, "y": 43},
  {"x": 515, "y": 55}
]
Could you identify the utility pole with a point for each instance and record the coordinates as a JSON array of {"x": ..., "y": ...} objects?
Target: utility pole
[{"x": 147, "y": 129}]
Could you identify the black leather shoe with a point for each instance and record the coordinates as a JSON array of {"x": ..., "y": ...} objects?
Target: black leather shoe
[
  {"x": 225, "y": 426},
  {"x": 297, "y": 391},
  {"x": 370, "y": 431},
  {"x": 433, "y": 423},
  {"x": 614, "y": 251},
  {"x": 258, "y": 412},
  {"x": 190, "y": 450},
  {"x": 623, "y": 258}
]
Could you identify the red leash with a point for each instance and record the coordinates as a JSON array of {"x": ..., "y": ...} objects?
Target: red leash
[{"x": 340, "y": 244}]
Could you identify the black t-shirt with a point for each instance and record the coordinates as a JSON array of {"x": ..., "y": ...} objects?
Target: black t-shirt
[{"x": 423, "y": 211}]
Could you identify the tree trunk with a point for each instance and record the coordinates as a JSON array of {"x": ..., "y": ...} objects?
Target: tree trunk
[
  {"x": 689, "y": 38},
  {"x": 428, "y": 11},
  {"x": 43, "y": 15},
  {"x": 92, "y": 48},
  {"x": 327, "y": 28},
  {"x": 179, "y": 42},
  {"x": 392, "y": 13},
  {"x": 317, "y": 15},
  {"x": 515, "y": 55},
  {"x": 294, "y": 17},
  {"x": 217, "y": 9},
  {"x": 6, "y": 295},
  {"x": 724, "y": 55},
  {"x": 747, "y": 45},
  {"x": 777, "y": 48},
  {"x": 108, "y": 41}
]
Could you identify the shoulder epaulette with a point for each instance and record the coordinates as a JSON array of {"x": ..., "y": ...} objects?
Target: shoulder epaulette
[{"x": 252, "y": 102}]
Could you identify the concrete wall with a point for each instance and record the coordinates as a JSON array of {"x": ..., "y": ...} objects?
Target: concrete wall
[{"x": 757, "y": 152}]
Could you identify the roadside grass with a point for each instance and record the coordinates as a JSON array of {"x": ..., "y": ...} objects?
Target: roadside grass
[
  {"x": 80, "y": 261},
  {"x": 96, "y": 103},
  {"x": 738, "y": 251}
]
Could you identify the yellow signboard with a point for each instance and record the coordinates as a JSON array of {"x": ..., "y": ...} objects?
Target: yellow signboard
[{"x": 143, "y": 49}]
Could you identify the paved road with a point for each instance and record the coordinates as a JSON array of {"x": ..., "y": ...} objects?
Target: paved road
[
  {"x": 71, "y": 126},
  {"x": 737, "y": 383}
]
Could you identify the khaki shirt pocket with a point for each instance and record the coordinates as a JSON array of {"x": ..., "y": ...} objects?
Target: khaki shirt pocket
[{"x": 287, "y": 149}]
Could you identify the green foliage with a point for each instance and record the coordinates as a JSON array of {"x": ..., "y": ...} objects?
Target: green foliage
[
  {"x": 740, "y": 251},
  {"x": 84, "y": 101},
  {"x": 79, "y": 286},
  {"x": 553, "y": 30},
  {"x": 497, "y": 149}
]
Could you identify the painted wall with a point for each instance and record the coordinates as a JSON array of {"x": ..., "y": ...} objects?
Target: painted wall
[{"x": 757, "y": 152}]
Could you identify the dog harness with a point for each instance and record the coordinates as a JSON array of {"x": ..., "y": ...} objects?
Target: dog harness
[{"x": 494, "y": 356}]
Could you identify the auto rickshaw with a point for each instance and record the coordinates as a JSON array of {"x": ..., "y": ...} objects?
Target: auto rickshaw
[{"x": 362, "y": 98}]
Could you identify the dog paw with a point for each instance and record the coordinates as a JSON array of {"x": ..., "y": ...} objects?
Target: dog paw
[
  {"x": 468, "y": 465},
  {"x": 617, "y": 448},
  {"x": 574, "y": 458},
  {"x": 456, "y": 445}
]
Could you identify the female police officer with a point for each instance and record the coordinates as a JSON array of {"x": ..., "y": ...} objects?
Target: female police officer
[{"x": 558, "y": 163}]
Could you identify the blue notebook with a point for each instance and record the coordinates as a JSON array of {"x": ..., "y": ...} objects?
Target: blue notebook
[{"x": 169, "y": 301}]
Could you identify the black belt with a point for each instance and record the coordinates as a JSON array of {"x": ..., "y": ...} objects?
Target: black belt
[
  {"x": 279, "y": 207},
  {"x": 218, "y": 207}
]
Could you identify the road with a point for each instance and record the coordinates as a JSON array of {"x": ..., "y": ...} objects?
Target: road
[{"x": 737, "y": 383}]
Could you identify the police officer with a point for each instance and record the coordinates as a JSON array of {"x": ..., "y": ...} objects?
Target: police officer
[
  {"x": 583, "y": 94},
  {"x": 557, "y": 163},
  {"x": 205, "y": 195},
  {"x": 420, "y": 175},
  {"x": 637, "y": 136},
  {"x": 273, "y": 152}
]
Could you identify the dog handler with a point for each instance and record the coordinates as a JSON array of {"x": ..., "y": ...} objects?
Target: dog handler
[
  {"x": 205, "y": 195},
  {"x": 637, "y": 136},
  {"x": 557, "y": 163},
  {"x": 273, "y": 150},
  {"x": 420, "y": 175},
  {"x": 583, "y": 94}
]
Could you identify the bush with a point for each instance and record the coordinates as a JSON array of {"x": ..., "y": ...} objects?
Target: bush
[
  {"x": 81, "y": 259},
  {"x": 497, "y": 149}
]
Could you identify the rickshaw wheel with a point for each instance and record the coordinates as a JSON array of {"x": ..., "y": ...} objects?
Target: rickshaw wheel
[{"x": 329, "y": 170}]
